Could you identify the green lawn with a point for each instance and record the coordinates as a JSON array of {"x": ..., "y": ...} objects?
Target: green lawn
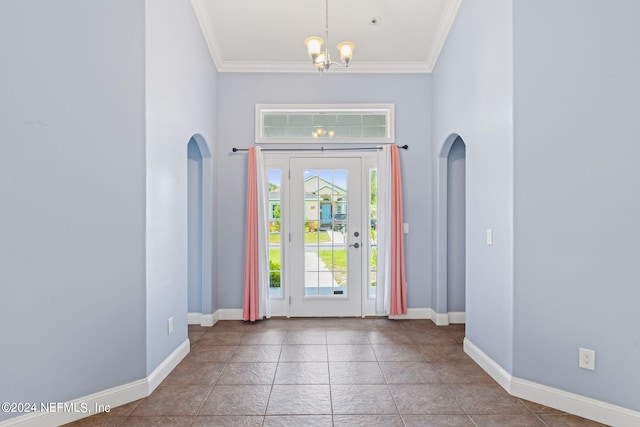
[
  {"x": 335, "y": 261},
  {"x": 274, "y": 268}
]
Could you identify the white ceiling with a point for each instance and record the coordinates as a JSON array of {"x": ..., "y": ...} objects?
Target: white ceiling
[{"x": 268, "y": 35}]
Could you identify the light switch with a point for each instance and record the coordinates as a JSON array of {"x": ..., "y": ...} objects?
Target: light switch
[
  {"x": 489, "y": 237},
  {"x": 406, "y": 227}
]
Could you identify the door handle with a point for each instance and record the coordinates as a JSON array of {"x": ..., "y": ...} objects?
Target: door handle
[{"x": 356, "y": 245}]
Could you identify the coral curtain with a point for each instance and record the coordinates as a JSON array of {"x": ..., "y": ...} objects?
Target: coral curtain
[
  {"x": 256, "y": 277},
  {"x": 398, "y": 275},
  {"x": 391, "y": 286}
]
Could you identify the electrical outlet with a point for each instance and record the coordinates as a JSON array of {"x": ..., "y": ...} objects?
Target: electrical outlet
[
  {"x": 170, "y": 325},
  {"x": 587, "y": 359}
]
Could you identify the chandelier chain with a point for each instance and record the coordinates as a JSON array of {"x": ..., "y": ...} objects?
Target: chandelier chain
[{"x": 326, "y": 31}]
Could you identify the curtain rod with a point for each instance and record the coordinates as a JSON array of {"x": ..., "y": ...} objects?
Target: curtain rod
[{"x": 322, "y": 149}]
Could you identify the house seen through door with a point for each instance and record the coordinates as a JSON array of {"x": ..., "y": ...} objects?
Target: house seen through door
[{"x": 322, "y": 240}]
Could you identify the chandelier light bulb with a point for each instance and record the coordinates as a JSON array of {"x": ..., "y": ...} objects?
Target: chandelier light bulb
[
  {"x": 320, "y": 61},
  {"x": 346, "y": 51},
  {"x": 314, "y": 44}
]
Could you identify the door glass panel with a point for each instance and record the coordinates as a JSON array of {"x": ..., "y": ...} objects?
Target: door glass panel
[
  {"x": 373, "y": 232},
  {"x": 325, "y": 228},
  {"x": 274, "y": 227}
]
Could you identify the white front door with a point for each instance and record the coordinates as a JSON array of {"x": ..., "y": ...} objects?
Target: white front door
[{"x": 325, "y": 237}]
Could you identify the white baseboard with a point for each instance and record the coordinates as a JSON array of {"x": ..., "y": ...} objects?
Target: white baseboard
[
  {"x": 83, "y": 407},
  {"x": 97, "y": 402},
  {"x": 194, "y": 318},
  {"x": 414, "y": 313},
  {"x": 229, "y": 313},
  {"x": 167, "y": 365},
  {"x": 494, "y": 370},
  {"x": 572, "y": 403},
  {"x": 202, "y": 319},
  {"x": 440, "y": 319},
  {"x": 446, "y": 319},
  {"x": 210, "y": 319},
  {"x": 457, "y": 317}
]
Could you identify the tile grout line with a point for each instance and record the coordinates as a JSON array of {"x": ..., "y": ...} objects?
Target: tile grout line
[
  {"x": 466, "y": 413},
  {"x": 273, "y": 381},
  {"x": 326, "y": 344}
]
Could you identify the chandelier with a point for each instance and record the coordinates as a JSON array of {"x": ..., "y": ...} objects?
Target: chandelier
[{"x": 321, "y": 58}]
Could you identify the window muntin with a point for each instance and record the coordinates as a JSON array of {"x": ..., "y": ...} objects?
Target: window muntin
[{"x": 276, "y": 123}]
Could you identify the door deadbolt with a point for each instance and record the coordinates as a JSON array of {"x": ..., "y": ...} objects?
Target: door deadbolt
[{"x": 356, "y": 234}]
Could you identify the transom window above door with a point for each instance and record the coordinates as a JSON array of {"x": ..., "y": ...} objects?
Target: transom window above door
[{"x": 300, "y": 123}]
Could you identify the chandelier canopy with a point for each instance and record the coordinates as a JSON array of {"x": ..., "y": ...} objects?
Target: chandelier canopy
[{"x": 321, "y": 58}]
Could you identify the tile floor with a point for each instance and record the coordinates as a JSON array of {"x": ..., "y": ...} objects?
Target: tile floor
[{"x": 330, "y": 372}]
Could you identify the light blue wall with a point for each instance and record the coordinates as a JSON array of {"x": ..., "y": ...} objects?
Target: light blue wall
[
  {"x": 194, "y": 223},
  {"x": 72, "y": 278},
  {"x": 77, "y": 83},
  {"x": 456, "y": 227},
  {"x": 180, "y": 91},
  {"x": 473, "y": 98},
  {"x": 238, "y": 94},
  {"x": 577, "y": 202}
]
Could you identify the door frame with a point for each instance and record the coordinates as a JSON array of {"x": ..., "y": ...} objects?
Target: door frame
[{"x": 280, "y": 160}]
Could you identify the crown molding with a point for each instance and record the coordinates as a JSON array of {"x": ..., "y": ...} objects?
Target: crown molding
[
  {"x": 202, "y": 14},
  {"x": 305, "y": 67},
  {"x": 448, "y": 17}
]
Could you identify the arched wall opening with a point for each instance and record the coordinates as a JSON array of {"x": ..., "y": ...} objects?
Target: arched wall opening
[
  {"x": 199, "y": 232},
  {"x": 456, "y": 231},
  {"x": 451, "y": 232}
]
